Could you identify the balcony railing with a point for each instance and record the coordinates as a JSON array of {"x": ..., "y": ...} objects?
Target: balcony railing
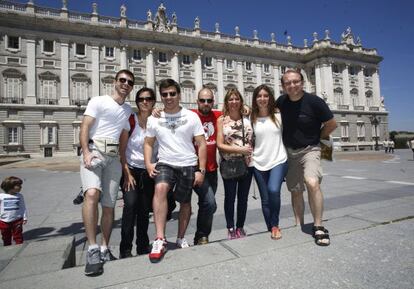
[
  {"x": 12, "y": 100},
  {"x": 47, "y": 101},
  {"x": 78, "y": 102}
]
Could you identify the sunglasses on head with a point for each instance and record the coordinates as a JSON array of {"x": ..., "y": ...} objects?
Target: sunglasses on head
[
  {"x": 172, "y": 93},
  {"x": 146, "y": 98},
  {"x": 205, "y": 100},
  {"x": 123, "y": 80}
]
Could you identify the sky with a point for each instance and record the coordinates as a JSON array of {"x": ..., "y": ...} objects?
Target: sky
[{"x": 387, "y": 25}]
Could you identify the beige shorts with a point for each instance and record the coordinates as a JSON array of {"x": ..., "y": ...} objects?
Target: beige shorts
[
  {"x": 304, "y": 163},
  {"x": 104, "y": 178}
]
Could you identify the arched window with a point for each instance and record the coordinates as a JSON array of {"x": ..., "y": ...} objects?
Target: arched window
[
  {"x": 369, "y": 98},
  {"x": 248, "y": 95},
  {"x": 188, "y": 93},
  {"x": 80, "y": 89},
  {"x": 108, "y": 85},
  {"x": 354, "y": 97},
  {"x": 13, "y": 86},
  {"x": 48, "y": 88},
  {"x": 339, "y": 96},
  {"x": 138, "y": 84}
]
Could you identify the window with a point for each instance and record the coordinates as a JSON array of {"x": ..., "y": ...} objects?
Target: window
[
  {"x": 13, "y": 90},
  {"x": 345, "y": 130},
  {"x": 374, "y": 131},
  {"x": 80, "y": 65},
  {"x": 12, "y": 136},
  {"x": 229, "y": 64},
  {"x": 248, "y": 95},
  {"x": 13, "y": 60},
  {"x": 369, "y": 98},
  {"x": 187, "y": 92},
  {"x": 186, "y": 59},
  {"x": 48, "y": 46},
  {"x": 209, "y": 61},
  {"x": 367, "y": 73},
  {"x": 335, "y": 68},
  {"x": 352, "y": 70},
  {"x": 354, "y": 97},
  {"x": 108, "y": 85},
  {"x": 50, "y": 137},
  {"x": 266, "y": 68},
  {"x": 13, "y": 42},
  {"x": 338, "y": 95},
  {"x": 283, "y": 69},
  {"x": 48, "y": 132},
  {"x": 162, "y": 57},
  {"x": 109, "y": 52},
  {"x": 80, "y": 87},
  {"x": 361, "y": 129},
  {"x": 48, "y": 63},
  {"x": 137, "y": 54},
  {"x": 48, "y": 88},
  {"x": 248, "y": 66},
  {"x": 80, "y": 49}
]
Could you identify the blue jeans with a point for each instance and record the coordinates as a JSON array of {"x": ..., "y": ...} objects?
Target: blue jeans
[
  {"x": 206, "y": 205},
  {"x": 241, "y": 189},
  {"x": 269, "y": 183}
]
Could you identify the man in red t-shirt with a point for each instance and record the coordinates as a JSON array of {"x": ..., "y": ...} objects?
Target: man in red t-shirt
[{"x": 206, "y": 192}]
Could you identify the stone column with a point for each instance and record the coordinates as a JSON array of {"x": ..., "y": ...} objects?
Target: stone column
[
  {"x": 31, "y": 71},
  {"x": 150, "y": 68},
  {"x": 240, "y": 82},
  {"x": 361, "y": 87},
  {"x": 276, "y": 81},
  {"x": 220, "y": 82},
  {"x": 198, "y": 73},
  {"x": 64, "y": 73},
  {"x": 259, "y": 73},
  {"x": 95, "y": 70},
  {"x": 124, "y": 58},
  {"x": 376, "y": 89},
  {"x": 345, "y": 85},
  {"x": 308, "y": 86},
  {"x": 328, "y": 82},
  {"x": 318, "y": 81},
  {"x": 175, "y": 67}
]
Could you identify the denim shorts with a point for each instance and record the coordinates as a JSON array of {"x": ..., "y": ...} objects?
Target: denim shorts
[
  {"x": 180, "y": 177},
  {"x": 105, "y": 177}
]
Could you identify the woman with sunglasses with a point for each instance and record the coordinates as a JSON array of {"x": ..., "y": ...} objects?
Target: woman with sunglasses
[
  {"x": 269, "y": 155},
  {"x": 137, "y": 186},
  {"x": 232, "y": 142}
]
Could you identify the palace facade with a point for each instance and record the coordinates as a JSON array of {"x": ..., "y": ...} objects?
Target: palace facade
[{"x": 52, "y": 61}]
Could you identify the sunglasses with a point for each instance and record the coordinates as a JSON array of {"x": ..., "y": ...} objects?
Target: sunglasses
[
  {"x": 172, "y": 94},
  {"x": 123, "y": 80},
  {"x": 205, "y": 100},
  {"x": 142, "y": 99}
]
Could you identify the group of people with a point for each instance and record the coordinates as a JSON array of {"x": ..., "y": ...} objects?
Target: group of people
[
  {"x": 388, "y": 146},
  {"x": 155, "y": 153}
]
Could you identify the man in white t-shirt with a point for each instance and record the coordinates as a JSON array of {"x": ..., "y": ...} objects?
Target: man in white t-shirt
[
  {"x": 104, "y": 119},
  {"x": 178, "y": 165}
]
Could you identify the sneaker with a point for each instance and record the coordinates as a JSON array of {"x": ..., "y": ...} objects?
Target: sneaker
[
  {"x": 231, "y": 234},
  {"x": 93, "y": 266},
  {"x": 240, "y": 233},
  {"x": 78, "y": 200},
  {"x": 107, "y": 256},
  {"x": 126, "y": 254},
  {"x": 202, "y": 241},
  {"x": 159, "y": 247},
  {"x": 182, "y": 243},
  {"x": 276, "y": 233}
]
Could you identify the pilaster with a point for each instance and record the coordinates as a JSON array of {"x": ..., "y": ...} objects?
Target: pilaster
[
  {"x": 220, "y": 82},
  {"x": 31, "y": 71},
  {"x": 318, "y": 82},
  {"x": 276, "y": 80},
  {"x": 259, "y": 73},
  {"x": 150, "y": 68},
  {"x": 95, "y": 70},
  {"x": 198, "y": 73},
  {"x": 376, "y": 88},
  {"x": 175, "y": 67},
  {"x": 361, "y": 87},
  {"x": 345, "y": 85},
  {"x": 240, "y": 83},
  {"x": 64, "y": 73},
  {"x": 124, "y": 61}
]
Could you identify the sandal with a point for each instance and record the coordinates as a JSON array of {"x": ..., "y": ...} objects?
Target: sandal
[{"x": 321, "y": 236}]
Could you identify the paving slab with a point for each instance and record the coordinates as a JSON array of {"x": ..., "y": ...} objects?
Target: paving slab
[{"x": 381, "y": 215}]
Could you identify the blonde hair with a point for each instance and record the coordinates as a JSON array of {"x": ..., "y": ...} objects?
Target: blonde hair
[{"x": 230, "y": 92}]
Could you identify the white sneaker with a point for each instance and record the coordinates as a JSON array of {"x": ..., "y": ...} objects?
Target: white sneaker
[{"x": 182, "y": 243}]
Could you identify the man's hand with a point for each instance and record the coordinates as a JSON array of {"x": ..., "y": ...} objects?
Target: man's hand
[
  {"x": 87, "y": 159},
  {"x": 156, "y": 112},
  {"x": 198, "y": 179}
]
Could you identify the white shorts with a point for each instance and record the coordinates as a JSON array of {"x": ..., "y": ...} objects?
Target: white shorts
[{"x": 104, "y": 178}]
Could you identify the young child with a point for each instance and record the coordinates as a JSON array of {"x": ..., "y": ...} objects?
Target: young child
[{"x": 12, "y": 211}]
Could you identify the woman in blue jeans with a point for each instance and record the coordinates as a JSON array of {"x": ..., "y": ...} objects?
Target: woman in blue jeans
[
  {"x": 232, "y": 143},
  {"x": 269, "y": 155}
]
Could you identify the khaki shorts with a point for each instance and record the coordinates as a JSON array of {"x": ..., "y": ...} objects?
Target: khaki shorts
[
  {"x": 303, "y": 163},
  {"x": 104, "y": 178}
]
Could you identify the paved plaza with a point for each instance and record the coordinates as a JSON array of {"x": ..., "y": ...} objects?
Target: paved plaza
[{"x": 369, "y": 210}]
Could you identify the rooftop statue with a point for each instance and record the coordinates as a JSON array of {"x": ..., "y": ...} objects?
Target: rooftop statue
[{"x": 348, "y": 37}]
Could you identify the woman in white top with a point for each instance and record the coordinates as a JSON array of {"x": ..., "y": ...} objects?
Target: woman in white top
[
  {"x": 269, "y": 155},
  {"x": 137, "y": 186}
]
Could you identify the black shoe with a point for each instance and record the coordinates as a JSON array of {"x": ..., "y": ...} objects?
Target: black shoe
[
  {"x": 107, "y": 256},
  {"x": 126, "y": 254},
  {"x": 143, "y": 251},
  {"x": 78, "y": 200},
  {"x": 94, "y": 266}
]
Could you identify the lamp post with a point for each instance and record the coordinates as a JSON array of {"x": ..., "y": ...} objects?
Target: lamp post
[{"x": 375, "y": 121}]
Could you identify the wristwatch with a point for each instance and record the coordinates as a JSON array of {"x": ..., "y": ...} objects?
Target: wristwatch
[{"x": 202, "y": 171}]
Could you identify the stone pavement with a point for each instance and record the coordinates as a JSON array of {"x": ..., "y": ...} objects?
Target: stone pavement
[{"x": 369, "y": 210}]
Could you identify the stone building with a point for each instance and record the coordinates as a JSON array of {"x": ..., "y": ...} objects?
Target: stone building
[{"x": 53, "y": 60}]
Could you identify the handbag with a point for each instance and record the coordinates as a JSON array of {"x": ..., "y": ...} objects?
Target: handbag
[{"x": 234, "y": 168}]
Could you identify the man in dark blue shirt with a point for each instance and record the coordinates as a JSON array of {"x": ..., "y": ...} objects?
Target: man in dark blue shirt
[{"x": 306, "y": 120}]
